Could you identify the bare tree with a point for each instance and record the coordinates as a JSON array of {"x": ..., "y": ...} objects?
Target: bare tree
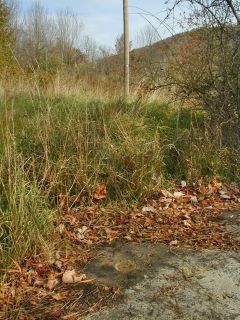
[
  {"x": 68, "y": 32},
  {"x": 119, "y": 45},
  {"x": 147, "y": 36},
  {"x": 209, "y": 70},
  {"x": 39, "y": 26},
  {"x": 35, "y": 35},
  {"x": 89, "y": 48},
  {"x": 44, "y": 40},
  {"x": 14, "y": 12},
  {"x": 103, "y": 59},
  {"x": 68, "y": 28}
]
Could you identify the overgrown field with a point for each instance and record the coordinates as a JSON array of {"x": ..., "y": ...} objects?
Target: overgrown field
[{"x": 57, "y": 151}]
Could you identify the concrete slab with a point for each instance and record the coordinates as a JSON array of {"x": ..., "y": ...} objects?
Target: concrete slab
[{"x": 159, "y": 282}]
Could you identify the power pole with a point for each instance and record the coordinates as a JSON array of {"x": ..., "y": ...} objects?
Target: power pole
[{"x": 126, "y": 48}]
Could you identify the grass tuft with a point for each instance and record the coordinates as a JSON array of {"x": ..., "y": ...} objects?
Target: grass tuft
[{"x": 57, "y": 147}]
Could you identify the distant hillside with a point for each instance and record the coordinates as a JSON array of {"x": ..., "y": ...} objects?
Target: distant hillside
[
  {"x": 181, "y": 60},
  {"x": 149, "y": 58}
]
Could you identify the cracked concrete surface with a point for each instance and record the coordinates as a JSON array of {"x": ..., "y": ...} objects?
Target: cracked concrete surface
[{"x": 164, "y": 283}]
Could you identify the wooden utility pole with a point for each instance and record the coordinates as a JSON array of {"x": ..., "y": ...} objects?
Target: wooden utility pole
[{"x": 126, "y": 48}]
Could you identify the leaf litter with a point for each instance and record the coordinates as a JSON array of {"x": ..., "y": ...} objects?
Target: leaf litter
[{"x": 55, "y": 287}]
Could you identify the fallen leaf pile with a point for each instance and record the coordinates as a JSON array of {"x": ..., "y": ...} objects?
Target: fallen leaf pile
[
  {"x": 43, "y": 291},
  {"x": 56, "y": 287},
  {"x": 184, "y": 217}
]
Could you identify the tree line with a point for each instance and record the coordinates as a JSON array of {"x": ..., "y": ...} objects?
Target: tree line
[{"x": 199, "y": 68}]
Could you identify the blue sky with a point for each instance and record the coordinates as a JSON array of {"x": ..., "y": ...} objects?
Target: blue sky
[{"x": 103, "y": 18}]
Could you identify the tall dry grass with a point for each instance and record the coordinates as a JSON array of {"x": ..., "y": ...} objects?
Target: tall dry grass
[{"x": 54, "y": 147}]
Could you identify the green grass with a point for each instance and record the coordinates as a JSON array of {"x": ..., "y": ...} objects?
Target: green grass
[{"x": 67, "y": 146}]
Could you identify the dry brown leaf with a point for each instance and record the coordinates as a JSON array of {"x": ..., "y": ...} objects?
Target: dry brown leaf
[
  {"x": 70, "y": 276},
  {"x": 71, "y": 220},
  {"x": 217, "y": 185},
  {"x": 80, "y": 232},
  {"x": 59, "y": 296},
  {"x": 101, "y": 192},
  {"x": 178, "y": 195},
  {"x": 173, "y": 243},
  {"x": 225, "y": 197},
  {"x": 39, "y": 283},
  {"x": 194, "y": 199},
  {"x": 183, "y": 184},
  {"x": 52, "y": 283},
  {"x": 166, "y": 193},
  {"x": 149, "y": 221},
  {"x": 187, "y": 223},
  {"x": 148, "y": 209},
  {"x": 41, "y": 268}
]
